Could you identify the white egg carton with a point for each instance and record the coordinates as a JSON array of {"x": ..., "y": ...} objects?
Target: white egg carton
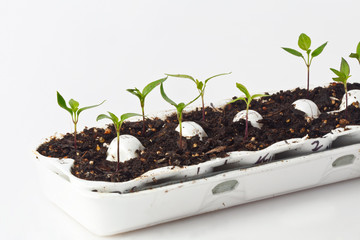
[
  {"x": 106, "y": 213},
  {"x": 107, "y": 208}
]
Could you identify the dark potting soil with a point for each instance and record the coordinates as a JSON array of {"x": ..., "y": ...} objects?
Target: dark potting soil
[{"x": 280, "y": 122}]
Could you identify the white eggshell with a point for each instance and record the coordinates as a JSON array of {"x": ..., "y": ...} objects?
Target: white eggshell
[
  {"x": 253, "y": 117},
  {"x": 308, "y": 107},
  {"x": 191, "y": 129},
  {"x": 128, "y": 147},
  {"x": 353, "y": 96}
]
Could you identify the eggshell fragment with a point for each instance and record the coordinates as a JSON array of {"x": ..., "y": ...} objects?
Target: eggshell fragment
[
  {"x": 253, "y": 117},
  {"x": 191, "y": 129},
  {"x": 353, "y": 96},
  {"x": 128, "y": 147},
  {"x": 308, "y": 107}
]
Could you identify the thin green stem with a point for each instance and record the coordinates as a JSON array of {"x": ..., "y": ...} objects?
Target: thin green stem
[
  {"x": 308, "y": 80},
  {"x": 180, "y": 126},
  {"x": 308, "y": 73},
  {"x": 75, "y": 121},
  {"x": 118, "y": 149},
  {"x": 143, "y": 115},
  {"x": 346, "y": 100},
  {"x": 203, "y": 107},
  {"x": 246, "y": 122}
]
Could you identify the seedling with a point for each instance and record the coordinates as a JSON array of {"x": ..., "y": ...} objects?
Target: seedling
[
  {"x": 357, "y": 54},
  {"x": 142, "y": 95},
  {"x": 117, "y": 123},
  {"x": 304, "y": 43},
  {"x": 200, "y": 85},
  {"x": 248, "y": 98},
  {"x": 74, "y": 111},
  {"x": 342, "y": 76},
  {"x": 179, "y": 108}
]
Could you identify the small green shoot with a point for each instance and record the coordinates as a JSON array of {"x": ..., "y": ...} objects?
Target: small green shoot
[
  {"x": 247, "y": 99},
  {"x": 304, "y": 43},
  {"x": 179, "y": 108},
  {"x": 200, "y": 85},
  {"x": 342, "y": 76},
  {"x": 357, "y": 54},
  {"x": 74, "y": 111},
  {"x": 117, "y": 123},
  {"x": 142, "y": 95}
]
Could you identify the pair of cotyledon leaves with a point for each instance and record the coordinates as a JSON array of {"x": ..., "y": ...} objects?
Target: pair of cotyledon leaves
[
  {"x": 200, "y": 85},
  {"x": 344, "y": 73},
  {"x": 74, "y": 109},
  {"x": 304, "y": 43},
  {"x": 141, "y": 95},
  {"x": 248, "y": 98},
  {"x": 147, "y": 89}
]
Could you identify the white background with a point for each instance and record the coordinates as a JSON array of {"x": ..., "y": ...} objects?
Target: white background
[{"x": 94, "y": 50}]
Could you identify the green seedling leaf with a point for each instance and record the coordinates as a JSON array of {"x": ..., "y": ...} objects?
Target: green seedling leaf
[
  {"x": 319, "y": 50},
  {"x": 128, "y": 115},
  {"x": 165, "y": 97},
  {"x": 338, "y": 73},
  {"x": 221, "y": 74},
  {"x": 74, "y": 105},
  {"x": 181, "y": 76},
  {"x": 148, "y": 88},
  {"x": 62, "y": 103},
  {"x": 243, "y": 89},
  {"x": 354, "y": 55},
  {"x": 88, "y": 107},
  {"x": 135, "y": 92},
  {"x": 114, "y": 117},
  {"x": 258, "y": 95},
  {"x": 181, "y": 106},
  {"x": 103, "y": 116},
  {"x": 357, "y": 54},
  {"x": 344, "y": 67},
  {"x": 293, "y": 52},
  {"x": 200, "y": 85},
  {"x": 304, "y": 42},
  {"x": 339, "y": 79},
  {"x": 237, "y": 99}
]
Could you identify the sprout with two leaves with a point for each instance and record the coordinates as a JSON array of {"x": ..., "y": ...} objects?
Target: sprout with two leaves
[
  {"x": 304, "y": 43},
  {"x": 200, "y": 85},
  {"x": 142, "y": 95},
  {"x": 342, "y": 76},
  {"x": 74, "y": 111},
  {"x": 357, "y": 54},
  {"x": 117, "y": 124},
  {"x": 247, "y": 99},
  {"x": 179, "y": 108}
]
